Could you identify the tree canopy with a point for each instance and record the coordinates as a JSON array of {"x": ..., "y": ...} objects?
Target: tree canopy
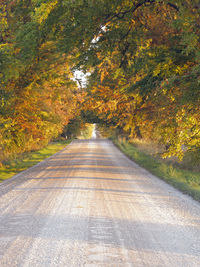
[{"x": 144, "y": 62}]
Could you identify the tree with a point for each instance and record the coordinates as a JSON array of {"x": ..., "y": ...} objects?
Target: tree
[{"x": 143, "y": 56}]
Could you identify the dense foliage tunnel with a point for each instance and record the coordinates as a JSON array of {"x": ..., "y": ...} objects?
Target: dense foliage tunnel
[{"x": 143, "y": 57}]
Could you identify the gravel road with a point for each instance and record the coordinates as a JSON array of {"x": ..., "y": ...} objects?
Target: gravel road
[{"x": 90, "y": 206}]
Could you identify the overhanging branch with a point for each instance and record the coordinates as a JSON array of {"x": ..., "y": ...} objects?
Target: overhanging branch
[{"x": 121, "y": 15}]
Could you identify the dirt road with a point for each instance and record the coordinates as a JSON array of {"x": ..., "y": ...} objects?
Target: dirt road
[{"x": 90, "y": 206}]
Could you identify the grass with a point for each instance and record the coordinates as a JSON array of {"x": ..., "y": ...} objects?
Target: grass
[
  {"x": 186, "y": 181},
  {"x": 27, "y": 160}
]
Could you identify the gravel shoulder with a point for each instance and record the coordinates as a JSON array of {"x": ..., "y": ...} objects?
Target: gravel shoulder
[{"x": 89, "y": 205}]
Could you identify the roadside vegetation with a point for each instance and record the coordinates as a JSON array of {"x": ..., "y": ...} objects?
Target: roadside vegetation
[
  {"x": 182, "y": 174},
  {"x": 27, "y": 160},
  {"x": 185, "y": 180}
]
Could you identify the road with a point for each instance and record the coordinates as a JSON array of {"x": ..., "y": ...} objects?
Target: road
[{"x": 90, "y": 206}]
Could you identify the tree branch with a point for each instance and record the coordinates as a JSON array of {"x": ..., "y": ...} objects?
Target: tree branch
[
  {"x": 121, "y": 14},
  {"x": 173, "y": 6}
]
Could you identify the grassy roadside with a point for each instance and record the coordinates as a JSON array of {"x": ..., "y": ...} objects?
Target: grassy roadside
[
  {"x": 184, "y": 180},
  {"x": 27, "y": 160}
]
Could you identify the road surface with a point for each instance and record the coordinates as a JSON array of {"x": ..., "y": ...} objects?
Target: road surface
[{"x": 90, "y": 206}]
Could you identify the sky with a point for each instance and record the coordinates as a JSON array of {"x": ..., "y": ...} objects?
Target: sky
[{"x": 81, "y": 78}]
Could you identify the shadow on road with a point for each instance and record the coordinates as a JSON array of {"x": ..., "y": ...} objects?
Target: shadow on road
[{"x": 135, "y": 235}]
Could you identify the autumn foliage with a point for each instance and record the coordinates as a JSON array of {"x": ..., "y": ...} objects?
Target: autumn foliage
[
  {"x": 38, "y": 95},
  {"x": 144, "y": 63}
]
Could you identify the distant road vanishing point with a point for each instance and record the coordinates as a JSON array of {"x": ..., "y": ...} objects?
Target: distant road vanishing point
[{"x": 90, "y": 206}]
